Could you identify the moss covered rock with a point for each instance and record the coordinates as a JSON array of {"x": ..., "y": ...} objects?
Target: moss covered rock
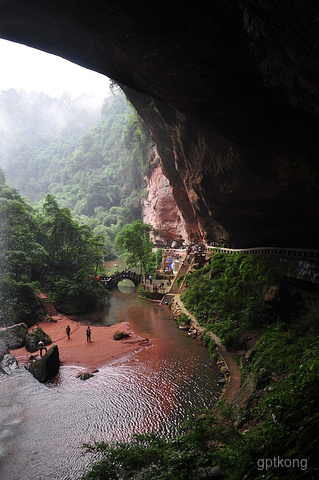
[
  {"x": 47, "y": 367},
  {"x": 120, "y": 335},
  {"x": 32, "y": 339},
  {"x": 14, "y": 336}
]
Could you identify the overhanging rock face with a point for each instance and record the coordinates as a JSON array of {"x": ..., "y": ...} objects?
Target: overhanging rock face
[{"x": 229, "y": 91}]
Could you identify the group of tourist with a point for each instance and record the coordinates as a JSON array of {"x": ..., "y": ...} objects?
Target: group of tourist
[
  {"x": 42, "y": 346},
  {"x": 155, "y": 286},
  {"x": 196, "y": 248},
  {"x": 87, "y": 332}
]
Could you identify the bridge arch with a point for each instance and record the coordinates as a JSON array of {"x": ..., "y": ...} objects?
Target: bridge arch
[{"x": 113, "y": 280}]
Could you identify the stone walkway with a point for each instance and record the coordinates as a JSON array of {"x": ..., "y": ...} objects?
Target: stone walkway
[{"x": 47, "y": 305}]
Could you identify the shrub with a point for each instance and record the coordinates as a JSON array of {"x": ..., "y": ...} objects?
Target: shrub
[{"x": 229, "y": 294}]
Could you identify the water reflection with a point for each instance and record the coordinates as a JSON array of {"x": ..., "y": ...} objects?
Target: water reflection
[
  {"x": 150, "y": 390},
  {"x": 126, "y": 286}
]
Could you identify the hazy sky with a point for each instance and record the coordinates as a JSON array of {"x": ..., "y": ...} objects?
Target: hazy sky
[{"x": 32, "y": 70}]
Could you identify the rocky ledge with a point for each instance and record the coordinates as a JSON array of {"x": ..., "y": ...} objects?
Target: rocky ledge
[
  {"x": 46, "y": 367},
  {"x": 17, "y": 336}
]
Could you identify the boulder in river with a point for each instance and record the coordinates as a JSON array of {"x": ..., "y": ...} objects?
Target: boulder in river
[
  {"x": 120, "y": 335},
  {"x": 3, "y": 349},
  {"x": 9, "y": 363},
  {"x": 46, "y": 367},
  {"x": 84, "y": 375},
  {"x": 32, "y": 339},
  {"x": 14, "y": 336}
]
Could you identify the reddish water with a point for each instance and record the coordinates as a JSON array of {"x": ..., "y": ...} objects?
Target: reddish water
[{"x": 42, "y": 427}]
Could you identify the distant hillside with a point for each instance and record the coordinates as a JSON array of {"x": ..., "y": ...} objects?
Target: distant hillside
[
  {"x": 35, "y": 129},
  {"x": 91, "y": 161}
]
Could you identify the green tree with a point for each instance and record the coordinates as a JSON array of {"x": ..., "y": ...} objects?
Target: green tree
[
  {"x": 75, "y": 254},
  {"x": 134, "y": 239},
  {"x": 71, "y": 247},
  {"x": 21, "y": 257},
  {"x": 92, "y": 163}
]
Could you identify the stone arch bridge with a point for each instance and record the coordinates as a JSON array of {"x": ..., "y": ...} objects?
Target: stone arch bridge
[{"x": 113, "y": 280}]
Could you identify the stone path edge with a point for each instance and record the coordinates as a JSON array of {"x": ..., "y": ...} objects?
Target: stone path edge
[{"x": 226, "y": 356}]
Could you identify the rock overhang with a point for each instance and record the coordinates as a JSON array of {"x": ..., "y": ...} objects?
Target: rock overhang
[{"x": 234, "y": 100}]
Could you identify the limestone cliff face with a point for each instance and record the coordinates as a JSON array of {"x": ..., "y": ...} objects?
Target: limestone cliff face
[
  {"x": 161, "y": 211},
  {"x": 230, "y": 92},
  {"x": 172, "y": 205}
]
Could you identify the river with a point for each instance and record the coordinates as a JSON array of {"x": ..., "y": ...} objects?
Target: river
[{"x": 43, "y": 426}]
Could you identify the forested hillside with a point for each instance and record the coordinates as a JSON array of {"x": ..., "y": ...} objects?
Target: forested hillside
[
  {"x": 36, "y": 129},
  {"x": 44, "y": 248},
  {"x": 91, "y": 161}
]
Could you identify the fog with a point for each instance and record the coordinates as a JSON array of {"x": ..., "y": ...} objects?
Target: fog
[{"x": 25, "y": 68}]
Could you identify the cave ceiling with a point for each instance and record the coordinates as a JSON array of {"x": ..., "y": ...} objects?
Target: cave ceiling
[{"x": 229, "y": 89}]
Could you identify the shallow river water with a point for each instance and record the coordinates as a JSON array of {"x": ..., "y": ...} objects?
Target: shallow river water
[{"x": 43, "y": 426}]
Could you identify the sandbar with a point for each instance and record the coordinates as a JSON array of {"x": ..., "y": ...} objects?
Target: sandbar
[{"x": 77, "y": 351}]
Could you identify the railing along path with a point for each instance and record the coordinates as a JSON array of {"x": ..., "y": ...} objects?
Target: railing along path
[{"x": 302, "y": 253}]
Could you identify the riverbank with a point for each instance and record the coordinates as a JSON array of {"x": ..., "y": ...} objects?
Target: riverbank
[
  {"x": 226, "y": 364},
  {"x": 76, "y": 351}
]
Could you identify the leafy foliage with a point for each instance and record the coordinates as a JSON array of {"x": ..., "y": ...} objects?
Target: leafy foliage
[
  {"x": 229, "y": 294},
  {"x": 71, "y": 247},
  {"x": 74, "y": 294},
  {"x": 47, "y": 248},
  {"x": 134, "y": 239},
  {"x": 287, "y": 415},
  {"x": 150, "y": 456},
  {"x": 21, "y": 255}
]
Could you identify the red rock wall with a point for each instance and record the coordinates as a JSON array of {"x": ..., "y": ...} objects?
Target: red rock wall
[{"x": 160, "y": 210}]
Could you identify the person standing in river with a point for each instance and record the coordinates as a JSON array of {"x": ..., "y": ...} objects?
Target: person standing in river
[{"x": 88, "y": 334}]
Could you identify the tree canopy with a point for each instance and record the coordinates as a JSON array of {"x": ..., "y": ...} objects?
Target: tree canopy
[
  {"x": 21, "y": 256},
  {"x": 44, "y": 248},
  {"x": 134, "y": 239}
]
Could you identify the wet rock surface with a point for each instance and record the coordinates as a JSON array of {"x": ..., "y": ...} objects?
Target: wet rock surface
[
  {"x": 9, "y": 364},
  {"x": 33, "y": 338},
  {"x": 47, "y": 367},
  {"x": 14, "y": 336},
  {"x": 120, "y": 335},
  {"x": 84, "y": 375}
]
